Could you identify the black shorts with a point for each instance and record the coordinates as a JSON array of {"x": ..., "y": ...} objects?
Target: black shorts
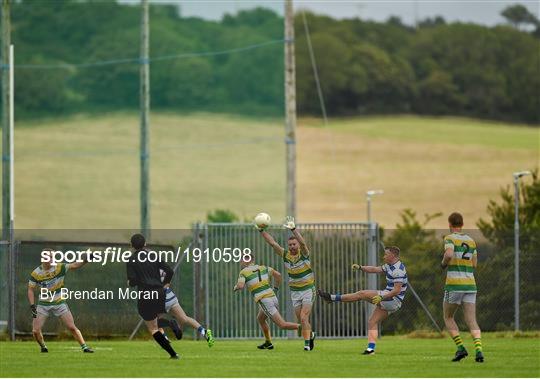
[{"x": 149, "y": 309}]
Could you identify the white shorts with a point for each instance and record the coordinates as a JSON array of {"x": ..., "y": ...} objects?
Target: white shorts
[
  {"x": 454, "y": 297},
  {"x": 57, "y": 310},
  {"x": 390, "y": 305},
  {"x": 306, "y": 297},
  {"x": 269, "y": 305},
  {"x": 170, "y": 299}
]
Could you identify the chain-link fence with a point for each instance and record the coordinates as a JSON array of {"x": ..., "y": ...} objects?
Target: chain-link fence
[
  {"x": 422, "y": 252},
  {"x": 205, "y": 289}
]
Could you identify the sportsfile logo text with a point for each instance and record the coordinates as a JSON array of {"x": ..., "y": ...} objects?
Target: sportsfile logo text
[{"x": 118, "y": 255}]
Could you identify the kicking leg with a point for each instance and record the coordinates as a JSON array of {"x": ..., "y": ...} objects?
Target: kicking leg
[
  {"x": 37, "y": 325},
  {"x": 469, "y": 312},
  {"x": 349, "y": 297},
  {"x": 377, "y": 317},
  {"x": 67, "y": 319},
  {"x": 178, "y": 313}
]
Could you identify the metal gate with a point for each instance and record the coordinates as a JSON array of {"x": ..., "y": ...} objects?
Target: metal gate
[{"x": 334, "y": 246}]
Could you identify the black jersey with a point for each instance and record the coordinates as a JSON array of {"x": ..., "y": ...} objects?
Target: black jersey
[{"x": 144, "y": 274}]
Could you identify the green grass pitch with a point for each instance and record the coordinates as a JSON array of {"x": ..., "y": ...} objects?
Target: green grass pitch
[{"x": 396, "y": 357}]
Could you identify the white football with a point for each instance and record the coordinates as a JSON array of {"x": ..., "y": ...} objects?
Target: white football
[{"x": 262, "y": 220}]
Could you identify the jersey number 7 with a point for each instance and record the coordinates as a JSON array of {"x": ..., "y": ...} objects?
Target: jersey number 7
[{"x": 259, "y": 274}]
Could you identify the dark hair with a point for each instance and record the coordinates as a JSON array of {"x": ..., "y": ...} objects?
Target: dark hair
[
  {"x": 292, "y": 238},
  {"x": 393, "y": 249},
  {"x": 455, "y": 220},
  {"x": 137, "y": 241}
]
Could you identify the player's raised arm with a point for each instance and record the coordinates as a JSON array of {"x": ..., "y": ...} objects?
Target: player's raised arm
[
  {"x": 78, "y": 264},
  {"x": 75, "y": 265},
  {"x": 272, "y": 242},
  {"x": 289, "y": 224}
]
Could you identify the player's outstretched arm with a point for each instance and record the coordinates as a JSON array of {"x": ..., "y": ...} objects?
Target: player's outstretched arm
[
  {"x": 75, "y": 265},
  {"x": 272, "y": 242},
  {"x": 78, "y": 264},
  {"x": 368, "y": 269},
  {"x": 290, "y": 224}
]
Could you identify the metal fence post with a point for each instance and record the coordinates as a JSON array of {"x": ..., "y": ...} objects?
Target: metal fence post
[
  {"x": 13, "y": 248},
  {"x": 516, "y": 253},
  {"x": 206, "y": 285},
  {"x": 372, "y": 280},
  {"x": 196, "y": 278}
]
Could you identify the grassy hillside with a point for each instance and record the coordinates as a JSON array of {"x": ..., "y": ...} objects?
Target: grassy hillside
[
  {"x": 427, "y": 164},
  {"x": 83, "y": 172}
]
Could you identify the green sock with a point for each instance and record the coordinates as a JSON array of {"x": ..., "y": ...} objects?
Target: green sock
[
  {"x": 306, "y": 342},
  {"x": 83, "y": 346},
  {"x": 459, "y": 342},
  {"x": 477, "y": 345}
]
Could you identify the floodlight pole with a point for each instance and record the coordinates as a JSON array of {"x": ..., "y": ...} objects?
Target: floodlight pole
[
  {"x": 6, "y": 249},
  {"x": 290, "y": 120},
  {"x": 372, "y": 280},
  {"x": 144, "y": 121},
  {"x": 6, "y": 116},
  {"x": 290, "y": 108},
  {"x": 517, "y": 175}
]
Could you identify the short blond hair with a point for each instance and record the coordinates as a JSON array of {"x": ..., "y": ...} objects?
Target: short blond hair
[{"x": 393, "y": 249}]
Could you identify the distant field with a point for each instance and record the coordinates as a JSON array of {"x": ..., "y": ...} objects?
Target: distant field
[
  {"x": 83, "y": 172},
  {"x": 427, "y": 164},
  {"x": 395, "y": 357}
]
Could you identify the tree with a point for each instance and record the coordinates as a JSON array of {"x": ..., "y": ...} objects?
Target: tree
[
  {"x": 432, "y": 22},
  {"x": 496, "y": 304},
  {"x": 437, "y": 94},
  {"x": 518, "y": 15},
  {"x": 35, "y": 92},
  {"x": 221, "y": 215},
  {"x": 421, "y": 252},
  {"x": 365, "y": 67}
]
